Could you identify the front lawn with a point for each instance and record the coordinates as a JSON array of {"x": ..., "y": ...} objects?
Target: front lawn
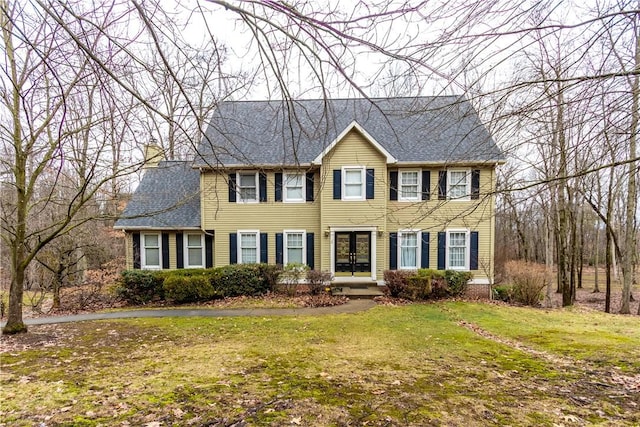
[{"x": 422, "y": 364}]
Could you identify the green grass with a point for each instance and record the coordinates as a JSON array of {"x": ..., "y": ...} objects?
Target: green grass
[{"x": 411, "y": 365}]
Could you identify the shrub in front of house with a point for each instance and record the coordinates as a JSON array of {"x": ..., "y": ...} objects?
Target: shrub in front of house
[
  {"x": 528, "y": 280},
  {"x": 422, "y": 284},
  {"x": 241, "y": 279},
  {"x": 140, "y": 286},
  {"x": 318, "y": 281},
  {"x": 270, "y": 273},
  {"x": 188, "y": 288},
  {"x": 503, "y": 293}
]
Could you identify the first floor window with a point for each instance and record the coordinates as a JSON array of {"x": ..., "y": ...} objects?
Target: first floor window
[
  {"x": 459, "y": 185},
  {"x": 294, "y": 187},
  {"x": 247, "y": 187},
  {"x": 248, "y": 248},
  {"x": 194, "y": 250},
  {"x": 409, "y": 249},
  {"x": 457, "y": 250},
  {"x": 150, "y": 251},
  {"x": 294, "y": 247},
  {"x": 409, "y": 184}
]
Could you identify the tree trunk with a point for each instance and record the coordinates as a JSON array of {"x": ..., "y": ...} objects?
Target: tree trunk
[
  {"x": 596, "y": 259},
  {"x": 608, "y": 265},
  {"x": 632, "y": 201}
]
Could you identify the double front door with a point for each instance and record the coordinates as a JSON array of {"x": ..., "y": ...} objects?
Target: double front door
[{"x": 353, "y": 253}]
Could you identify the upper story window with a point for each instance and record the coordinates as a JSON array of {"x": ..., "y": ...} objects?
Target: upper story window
[
  {"x": 353, "y": 179},
  {"x": 150, "y": 251},
  {"x": 459, "y": 184},
  {"x": 247, "y": 187},
  {"x": 409, "y": 185},
  {"x": 294, "y": 190},
  {"x": 194, "y": 244},
  {"x": 457, "y": 250},
  {"x": 248, "y": 246}
]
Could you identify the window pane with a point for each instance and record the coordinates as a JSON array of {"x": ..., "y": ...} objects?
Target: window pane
[
  {"x": 409, "y": 250},
  {"x": 195, "y": 256},
  {"x": 294, "y": 193},
  {"x": 409, "y": 178},
  {"x": 194, "y": 240},
  {"x": 457, "y": 239},
  {"x": 294, "y": 181},
  {"x": 249, "y": 256},
  {"x": 458, "y": 185},
  {"x": 248, "y": 194},
  {"x": 152, "y": 256},
  {"x": 456, "y": 257},
  {"x": 248, "y": 180},
  {"x": 294, "y": 240},
  {"x": 294, "y": 255},
  {"x": 248, "y": 240},
  {"x": 150, "y": 240},
  {"x": 353, "y": 176}
]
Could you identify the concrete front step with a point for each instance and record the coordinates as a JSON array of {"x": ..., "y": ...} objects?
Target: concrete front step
[{"x": 357, "y": 291}]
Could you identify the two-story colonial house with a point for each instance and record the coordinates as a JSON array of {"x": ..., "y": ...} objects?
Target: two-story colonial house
[{"x": 351, "y": 186}]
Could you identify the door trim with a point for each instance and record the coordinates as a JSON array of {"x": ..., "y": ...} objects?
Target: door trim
[{"x": 374, "y": 247}]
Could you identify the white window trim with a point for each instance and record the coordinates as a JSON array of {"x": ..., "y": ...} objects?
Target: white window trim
[
  {"x": 467, "y": 252},
  {"x": 363, "y": 179},
  {"x": 418, "y": 193},
  {"x": 257, "y": 180},
  {"x": 185, "y": 241},
  {"x": 468, "y": 185},
  {"x": 285, "y": 255},
  {"x": 143, "y": 252},
  {"x": 284, "y": 187},
  {"x": 418, "y": 250},
  {"x": 239, "y": 244}
]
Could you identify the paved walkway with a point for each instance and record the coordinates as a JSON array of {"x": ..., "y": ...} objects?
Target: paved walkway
[{"x": 353, "y": 306}]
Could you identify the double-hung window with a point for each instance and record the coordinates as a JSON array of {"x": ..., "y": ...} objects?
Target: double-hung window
[
  {"x": 409, "y": 249},
  {"x": 294, "y": 190},
  {"x": 248, "y": 247},
  {"x": 457, "y": 250},
  {"x": 409, "y": 185},
  {"x": 151, "y": 251},
  {"x": 194, "y": 244},
  {"x": 459, "y": 184},
  {"x": 353, "y": 181},
  {"x": 247, "y": 187},
  {"x": 294, "y": 251}
]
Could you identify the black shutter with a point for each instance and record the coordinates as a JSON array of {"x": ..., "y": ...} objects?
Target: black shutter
[
  {"x": 370, "y": 175},
  {"x": 337, "y": 184},
  {"x": 233, "y": 248},
  {"x": 424, "y": 251},
  {"x": 208, "y": 249},
  {"x": 232, "y": 188},
  {"x": 309, "y": 197},
  {"x": 136, "y": 251},
  {"x": 473, "y": 255},
  {"x": 426, "y": 185},
  {"x": 475, "y": 184},
  {"x": 442, "y": 243},
  {"x": 179, "y": 250},
  {"x": 262, "y": 184},
  {"x": 393, "y": 185},
  {"x": 165, "y": 250},
  {"x": 278, "y": 185},
  {"x": 264, "y": 248},
  {"x": 310, "y": 251},
  {"x": 393, "y": 251},
  {"x": 279, "y": 249},
  {"x": 442, "y": 185}
]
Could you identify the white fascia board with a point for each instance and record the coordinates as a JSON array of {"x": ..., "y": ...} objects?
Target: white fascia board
[{"x": 368, "y": 137}]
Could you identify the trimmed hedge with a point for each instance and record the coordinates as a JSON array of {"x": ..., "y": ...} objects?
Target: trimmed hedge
[
  {"x": 197, "y": 284},
  {"x": 422, "y": 284}
]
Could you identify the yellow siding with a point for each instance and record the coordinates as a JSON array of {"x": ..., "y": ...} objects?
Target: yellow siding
[
  {"x": 354, "y": 150},
  {"x": 128, "y": 250},
  {"x": 172, "y": 251},
  {"x": 269, "y": 217},
  {"x": 439, "y": 215}
]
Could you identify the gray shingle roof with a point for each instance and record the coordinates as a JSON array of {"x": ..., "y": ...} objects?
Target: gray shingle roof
[
  {"x": 168, "y": 196},
  {"x": 441, "y": 129}
]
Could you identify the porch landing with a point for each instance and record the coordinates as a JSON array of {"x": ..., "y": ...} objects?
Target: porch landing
[{"x": 356, "y": 290}]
